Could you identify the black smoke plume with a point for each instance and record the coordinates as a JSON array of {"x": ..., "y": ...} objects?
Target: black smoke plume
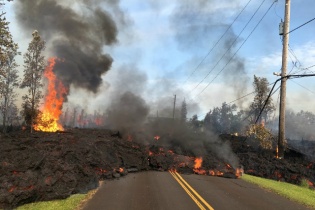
[{"x": 76, "y": 33}]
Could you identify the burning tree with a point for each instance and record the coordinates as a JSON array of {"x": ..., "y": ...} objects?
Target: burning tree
[
  {"x": 8, "y": 71},
  {"x": 34, "y": 65},
  {"x": 48, "y": 118}
]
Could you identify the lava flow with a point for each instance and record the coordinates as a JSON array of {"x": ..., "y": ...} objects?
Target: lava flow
[
  {"x": 54, "y": 98},
  {"x": 197, "y": 166}
]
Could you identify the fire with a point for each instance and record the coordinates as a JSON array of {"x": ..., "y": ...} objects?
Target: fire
[
  {"x": 215, "y": 173},
  {"x": 12, "y": 189},
  {"x": 239, "y": 172},
  {"x": 171, "y": 152},
  {"x": 156, "y": 138},
  {"x": 51, "y": 110},
  {"x": 100, "y": 171},
  {"x": 197, "y": 167},
  {"x": 198, "y": 163}
]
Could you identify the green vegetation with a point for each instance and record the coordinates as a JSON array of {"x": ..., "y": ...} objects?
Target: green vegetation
[
  {"x": 296, "y": 193},
  {"x": 73, "y": 202},
  {"x": 76, "y": 202}
]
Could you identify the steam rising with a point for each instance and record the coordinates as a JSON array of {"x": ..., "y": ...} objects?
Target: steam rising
[{"x": 75, "y": 34}]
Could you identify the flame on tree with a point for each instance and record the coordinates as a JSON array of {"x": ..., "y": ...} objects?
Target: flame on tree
[{"x": 48, "y": 119}]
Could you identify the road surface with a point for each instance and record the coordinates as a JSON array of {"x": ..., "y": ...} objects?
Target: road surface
[{"x": 166, "y": 190}]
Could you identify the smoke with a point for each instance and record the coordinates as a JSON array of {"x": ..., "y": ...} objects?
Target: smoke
[
  {"x": 128, "y": 112},
  {"x": 199, "y": 25},
  {"x": 76, "y": 33}
]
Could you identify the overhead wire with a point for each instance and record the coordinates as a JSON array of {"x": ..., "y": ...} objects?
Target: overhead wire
[
  {"x": 304, "y": 69},
  {"x": 230, "y": 47},
  {"x": 244, "y": 96},
  {"x": 204, "y": 58},
  {"x": 300, "y": 26},
  {"x": 237, "y": 49},
  {"x": 302, "y": 86}
]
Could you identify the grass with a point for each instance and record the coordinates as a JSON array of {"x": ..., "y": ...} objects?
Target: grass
[
  {"x": 74, "y": 202},
  {"x": 296, "y": 193}
]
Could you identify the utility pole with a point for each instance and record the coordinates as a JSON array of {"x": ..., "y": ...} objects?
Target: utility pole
[
  {"x": 174, "y": 107},
  {"x": 286, "y": 26}
]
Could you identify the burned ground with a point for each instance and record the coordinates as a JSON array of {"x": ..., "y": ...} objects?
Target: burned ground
[{"x": 45, "y": 166}]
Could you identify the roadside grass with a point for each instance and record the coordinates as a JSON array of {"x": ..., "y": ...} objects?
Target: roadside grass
[
  {"x": 300, "y": 194},
  {"x": 74, "y": 202}
]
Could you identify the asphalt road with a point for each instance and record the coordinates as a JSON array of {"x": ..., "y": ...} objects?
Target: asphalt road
[{"x": 163, "y": 190}]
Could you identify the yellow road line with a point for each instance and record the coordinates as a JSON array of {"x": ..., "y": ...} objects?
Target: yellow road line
[
  {"x": 192, "y": 190},
  {"x": 188, "y": 192}
]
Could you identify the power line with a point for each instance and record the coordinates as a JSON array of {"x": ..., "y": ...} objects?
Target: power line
[
  {"x": 244, "y": 96},
  {"x": 303, "y": 86},
  {"x": 234, "y": 41},
  {"x": 301, "y": 25},
  {"x": 238, "y": 49},
  {"x": 241, "y": 97},
  {"x": 217, "y": 41},
  {"x": 304, "y": 69}
]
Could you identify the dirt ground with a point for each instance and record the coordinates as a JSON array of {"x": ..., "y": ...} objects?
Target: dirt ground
[{"x": 45, "y": 166}]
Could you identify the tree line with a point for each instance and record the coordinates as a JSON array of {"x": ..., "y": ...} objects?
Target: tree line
[{"x": 32, "y": 81}]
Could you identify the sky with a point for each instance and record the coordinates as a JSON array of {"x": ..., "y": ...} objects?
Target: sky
[{"x": 166, "y": 48}]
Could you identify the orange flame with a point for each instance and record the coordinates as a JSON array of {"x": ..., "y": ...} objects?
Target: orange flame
[
  {"x": 52, "y": 108},
  {"x": 156, "y": 138},
  {"x": 198, "y": 163},
  {"x": 239, "y": 172},
  {"x": 197, "y": 166}
]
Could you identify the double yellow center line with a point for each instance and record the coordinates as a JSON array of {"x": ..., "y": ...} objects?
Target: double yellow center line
[{"x": 201, "y": 203}]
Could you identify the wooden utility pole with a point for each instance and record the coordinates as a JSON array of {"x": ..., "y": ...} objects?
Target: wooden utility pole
[{"x": 286, "y": 26}]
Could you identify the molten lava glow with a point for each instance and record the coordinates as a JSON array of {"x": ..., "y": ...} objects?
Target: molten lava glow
[
  {"x": 171, "y": 152},
  {"x": 129, "y": 137},
  {"x": 198, "y": 163},
  {"x": 54, "y": 98},
  {"x": 215, "y": 173},
  {"x": 197, "y": 166},
  {"x": 239, "y": 172},
  {"x": 157, "y": 138},
  {"x": 12, "y": 189}
]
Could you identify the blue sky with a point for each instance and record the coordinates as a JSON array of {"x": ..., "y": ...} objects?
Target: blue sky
[{"x": 167, "y": 40}]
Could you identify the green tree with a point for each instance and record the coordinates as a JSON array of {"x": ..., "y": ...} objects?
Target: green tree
[
  {"x": 260, "y": 134},
  {"x": 9, "y": 84},
  {"x": 261, "y": 93},
  {"x": 8, "y": 72},
  {"x": 6, "y": 43},
  {"x": 34, "y": 65},
  {"x": 224, "y": 119}
]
